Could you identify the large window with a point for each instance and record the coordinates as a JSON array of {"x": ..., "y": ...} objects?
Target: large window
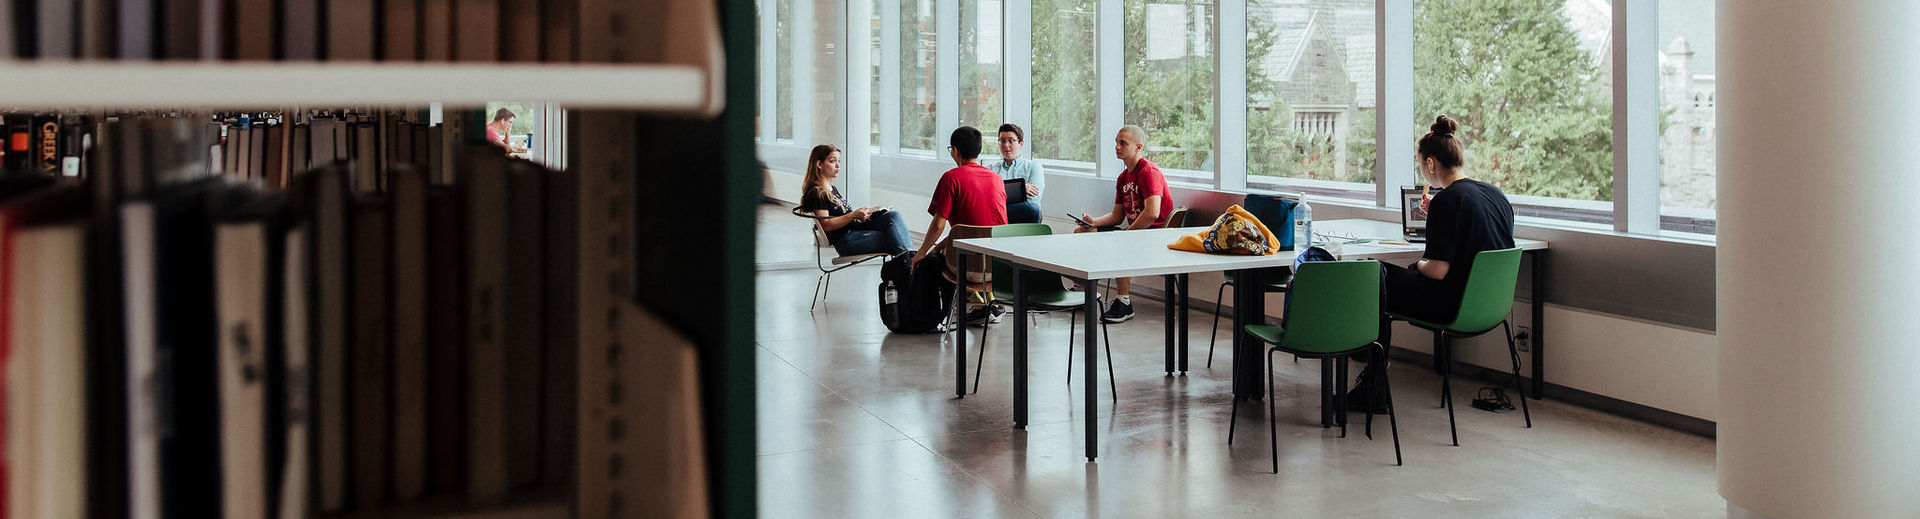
[
  {"x": 1687, "y": 197},
  {"x": 1310, "y": 91},
  {"x": 1530, "y": 84},
  {"x": 874, "y": 58},
  {"x": 783, "y": 73},
  {"x": 918, "y": 73},
  {"x": 980, "y": 69},
  {"x": 1064, "y": 81},
  {"x": 1169, "y": 79},
  {"x": 1530, "y": 81}
]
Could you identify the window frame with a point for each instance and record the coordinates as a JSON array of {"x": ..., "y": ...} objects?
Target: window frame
[{"x": 1635, "y": 209}]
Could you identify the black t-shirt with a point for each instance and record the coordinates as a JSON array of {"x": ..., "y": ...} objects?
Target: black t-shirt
[
  {"x": 816, "y": 199},
  {"x": 1464, "y": 219}
]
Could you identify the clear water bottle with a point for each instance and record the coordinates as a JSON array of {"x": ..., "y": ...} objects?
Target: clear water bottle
[{"x": 1302, "y": 226}]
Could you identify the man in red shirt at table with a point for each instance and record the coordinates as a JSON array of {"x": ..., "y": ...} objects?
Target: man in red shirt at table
[
  {"x": 1140, "y": 201},
  {"x": 968, "y": 194}
]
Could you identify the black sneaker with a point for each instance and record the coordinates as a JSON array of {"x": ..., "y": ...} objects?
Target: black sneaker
[
  {"x": 1361, "y": 396},
  {"x": 1118, "y": 312}
]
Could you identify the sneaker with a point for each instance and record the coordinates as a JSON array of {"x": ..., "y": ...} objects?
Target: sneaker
[
  {"x": 1360, "y": 397},
  {"x": 989, "y": 314},
  {"x": 1118, "y": 312}
]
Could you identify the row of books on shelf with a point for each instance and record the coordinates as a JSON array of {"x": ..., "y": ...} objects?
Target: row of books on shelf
[
  {"x": 292, "y": 30},
  {"x": 182, "y": 343}
]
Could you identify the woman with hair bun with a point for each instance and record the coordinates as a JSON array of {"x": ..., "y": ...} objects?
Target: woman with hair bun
[{"x": 1464, "y": 218}]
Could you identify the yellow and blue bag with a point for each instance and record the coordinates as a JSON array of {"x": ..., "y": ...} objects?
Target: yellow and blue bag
[{"x": 1236, "y": 231}]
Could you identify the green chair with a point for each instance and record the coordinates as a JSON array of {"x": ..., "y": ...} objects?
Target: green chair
[
  {"x": 1044, "y": 293},
  {"x": 1335, "y": 315},
  {"x": 1484, "y": 306}
]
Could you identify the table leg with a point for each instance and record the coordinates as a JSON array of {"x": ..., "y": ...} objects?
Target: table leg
[
  {"x": 959, "y": 321},
  {"x": 1249, "y": 307},
  {"x": 1019, "y": 349},
  {"x": 1091, "y": 315},
  {"x": 1539, "y": 296},
  {"x": 1326, "y": 396},
  {"x": 1169, "y": 325},
  {"x": 1183, "y": 314}
]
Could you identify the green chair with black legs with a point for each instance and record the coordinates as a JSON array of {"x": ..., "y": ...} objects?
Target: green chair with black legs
[
  {"x": 1335, "y": 315},
  {"x": 1044, "y": 293},
  {"x": 1483, "y": 307}
]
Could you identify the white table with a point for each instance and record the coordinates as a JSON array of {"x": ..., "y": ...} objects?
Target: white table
[{"x": 1090, "y": 257}]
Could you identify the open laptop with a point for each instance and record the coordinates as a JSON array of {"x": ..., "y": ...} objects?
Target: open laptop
[
  {"x": 1016, "y": 190},
  {"x": 1413, "y": 220}
]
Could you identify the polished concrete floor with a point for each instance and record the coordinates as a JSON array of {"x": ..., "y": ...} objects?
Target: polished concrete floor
[{"x": 857, "y": 422}]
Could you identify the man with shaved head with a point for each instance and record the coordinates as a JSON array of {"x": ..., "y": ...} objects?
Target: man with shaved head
[{"x": 1140, "y": 201}]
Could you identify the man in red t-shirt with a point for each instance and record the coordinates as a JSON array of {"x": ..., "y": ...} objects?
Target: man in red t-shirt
[
  {"x": 969, "y": 194},
  {"x": 1140, "y": 201}
]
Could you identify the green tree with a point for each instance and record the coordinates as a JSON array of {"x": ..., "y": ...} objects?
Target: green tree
[
  {"x": 1171, "y": 98},
  {"x": 1533, "y": 117},
  {"x": 1065, "y": 86}
]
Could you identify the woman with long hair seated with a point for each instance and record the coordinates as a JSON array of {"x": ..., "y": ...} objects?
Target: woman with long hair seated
[{"x": 852, "y": 231}]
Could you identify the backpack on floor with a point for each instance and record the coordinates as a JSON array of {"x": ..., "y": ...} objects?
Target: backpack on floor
[{"x": 913, "y": 300}]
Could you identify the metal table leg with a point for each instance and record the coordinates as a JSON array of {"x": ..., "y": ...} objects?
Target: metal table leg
[
  {"x": 1168, "y": 326},
  {"x": 1019, "y": 349},
  {"x": 1183, "y": 315},
  {"x": 958, "y": 319},
  {"x": 1249, "y": 307},
  {"x": 1091, "y": 322}
]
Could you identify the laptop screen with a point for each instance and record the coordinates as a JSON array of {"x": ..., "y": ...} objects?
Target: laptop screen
[{"x": 1412, "y": 217}]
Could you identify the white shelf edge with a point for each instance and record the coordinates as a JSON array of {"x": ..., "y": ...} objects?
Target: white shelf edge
[{"x": 107, "y": 84}]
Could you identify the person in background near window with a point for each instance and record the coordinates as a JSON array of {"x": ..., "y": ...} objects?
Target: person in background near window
[
  {"x": 498, "y": 129},
  {"x": 968, "y": 194},
  {"x": 852, "y": 231},
  {"x": 1466, "y": 218},
  {"x": 1012, "y": 166},
  {"x": 1140, "y": 201}
]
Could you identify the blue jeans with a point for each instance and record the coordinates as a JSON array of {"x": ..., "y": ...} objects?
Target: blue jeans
[
  {"x": 885, "y": 232},
  {"x": 1023, "y": 212}
]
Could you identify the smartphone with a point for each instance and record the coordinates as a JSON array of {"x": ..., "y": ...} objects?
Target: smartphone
[{"x": 1076, "y": 219}]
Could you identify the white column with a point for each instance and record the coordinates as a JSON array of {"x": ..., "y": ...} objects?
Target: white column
[
  {"x": 803, "y": 59},
  {"x": 1230, "y": 95},
  {"x": 1393, "y": 115},
  {"x": 1110, "y": 62},
  {"x": 946, "y": 90},
  {"x": 1016, "y": 62},
  {"x": 856, "y": 164},
  {"x": 769, "y": 68},
  {"x": 1819, "y": 402},
  {"x": 1636, "y": 116},
  {"x": 890, "y": 76}
]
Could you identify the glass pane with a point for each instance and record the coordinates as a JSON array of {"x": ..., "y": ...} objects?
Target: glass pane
[
  {"x": 980, "y": 69},
  {"x": 917, "y": 74},
  {"x": 1530, "y": 83},
  {"x": 1169, "y": 80},
  {"x": 874, "y": 57},
  {"x": 1310, "y": 100},
  {"x": 783, "y": 75},
  {"x": 1065, "y": 86},
  {"x": 1686, "y": 108}
]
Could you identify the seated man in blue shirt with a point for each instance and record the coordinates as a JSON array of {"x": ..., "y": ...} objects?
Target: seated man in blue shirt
[{"x": 1012, "y": 166}]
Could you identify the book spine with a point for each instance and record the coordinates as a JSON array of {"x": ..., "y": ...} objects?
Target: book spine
[
  {"x": 145, "y": 500},
  {"x": 241, "y": 262}
]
